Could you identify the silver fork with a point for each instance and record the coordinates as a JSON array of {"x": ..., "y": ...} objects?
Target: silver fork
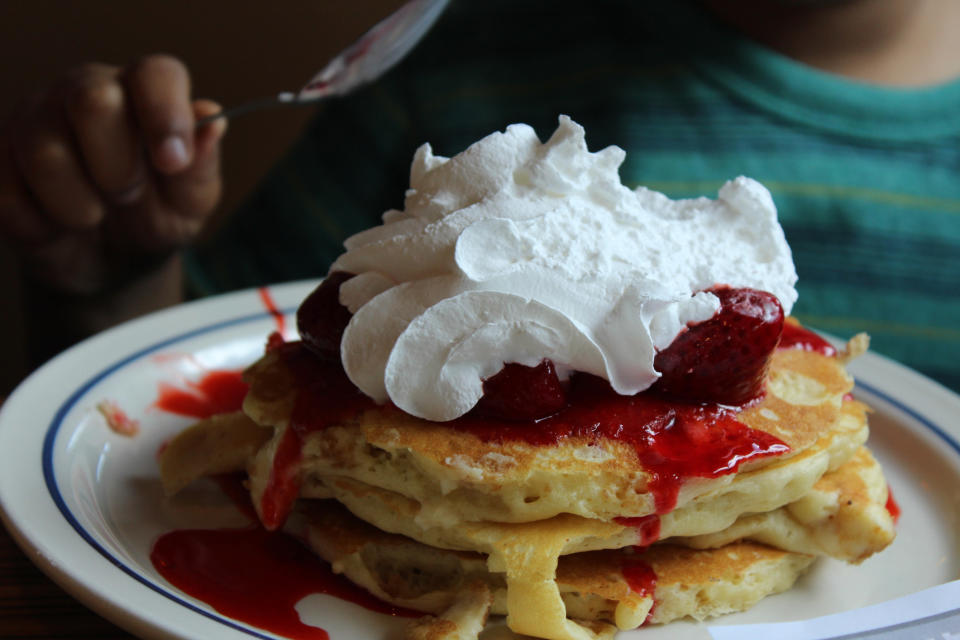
[{"x": 376, "y": 51}]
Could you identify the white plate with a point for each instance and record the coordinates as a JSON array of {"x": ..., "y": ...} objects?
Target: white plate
[{"x": 85, "y": 503}]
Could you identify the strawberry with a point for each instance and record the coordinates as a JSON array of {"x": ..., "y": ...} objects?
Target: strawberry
[
  {"x": 321, "y": 318},
  {"x": 724, "y": 359},
  {"x": 520, "y": 393}
]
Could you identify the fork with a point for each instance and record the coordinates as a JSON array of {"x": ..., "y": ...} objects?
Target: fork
[{"x": 376, "y": 51}]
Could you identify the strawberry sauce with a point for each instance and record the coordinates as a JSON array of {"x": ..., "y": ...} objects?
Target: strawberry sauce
[
  {"x": 325, "y": 396},
  {"x": 216, "y": 392},
  {"x": 283, "y": 487},
  {"x": 220, "y": 391},
  {"x": 641, "y": 578},
  {"x": 647, "y": 528},
  {"x": 267, "y": 300},
  {"x": 256, "y": 577},
  {"x": 892, "y": 507},
  {"x": 673, "y": 441},
  {"x": 796, "y": 337},
  {"x": 117, "y": 419}
]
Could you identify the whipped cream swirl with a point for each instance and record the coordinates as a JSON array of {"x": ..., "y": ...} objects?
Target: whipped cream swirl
[{"x": 516, "y": 250}]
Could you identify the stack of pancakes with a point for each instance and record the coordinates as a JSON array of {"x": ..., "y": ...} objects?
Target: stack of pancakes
[{"x": 570, "y": 538}]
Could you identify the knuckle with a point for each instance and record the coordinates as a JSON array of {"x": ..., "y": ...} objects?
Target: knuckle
[
  {"x": 159, "y": 90},
  {"x": 159, "y": 65},
  {"x": 96, "y": 98},
  {"x": 165, "y": 60},
  {"x": 89, "y": 215},
  {"x": 44, "y": 156},
  {"x": 79, "y": 215}
]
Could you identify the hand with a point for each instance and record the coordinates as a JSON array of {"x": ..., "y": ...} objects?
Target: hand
[{"x": 105, "y": 175}]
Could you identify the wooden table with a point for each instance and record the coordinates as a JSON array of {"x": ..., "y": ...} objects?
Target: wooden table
[{"x": 32, "y": 606}]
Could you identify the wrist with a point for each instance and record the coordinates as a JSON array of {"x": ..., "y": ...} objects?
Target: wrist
[{"x": 57, "y": 318}]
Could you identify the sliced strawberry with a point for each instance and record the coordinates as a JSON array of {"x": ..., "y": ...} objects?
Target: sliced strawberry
[
  {"x": 520, "y": 393},
  {"x": 321, "y": 318},
  {"x": 723, "y": 359}
]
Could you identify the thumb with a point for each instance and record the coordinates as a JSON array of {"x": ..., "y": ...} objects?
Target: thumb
[{"x": 196, "y": 190}]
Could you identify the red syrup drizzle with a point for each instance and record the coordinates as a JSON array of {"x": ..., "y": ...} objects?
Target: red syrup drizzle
[
  {"x": 673, "y": 441},
  {"x": 271, "y": 307},
  {"x": 283, "y": 486},
  {"x": 216, "y": 392},
  {"x": 797, "y": 337},
  {"x": 220, "y": 391},
  {"x": 117, "y": 419},
  {"x": 892, "y": 507},
  {"x": 647, "y": 528},
  {"x": 255, "y": 576},
  {"x": 325, "y": 396},
  {"x": 642, "y": 580}
]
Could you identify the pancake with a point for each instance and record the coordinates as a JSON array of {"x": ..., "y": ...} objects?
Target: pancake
[
  {"x": 844, "y": 516},
  {"x": 619, "y": 588},
  {"x": 219, "y": 444},
  {"x": 729, "y": 574},
  {"x": 225, "y": 443},
  {"x": 456, "y": 476},
  {"x": 534, "y": 507}
]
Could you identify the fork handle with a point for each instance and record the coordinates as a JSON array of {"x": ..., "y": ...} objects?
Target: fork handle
[{"x": 285, "y": 99}]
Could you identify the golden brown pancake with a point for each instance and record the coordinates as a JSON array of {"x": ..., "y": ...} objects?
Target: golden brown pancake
[
  {"x": 455, "y": 476},
  {"x": 732, "y": 576},
  {"x": 615, "y": 587},
  {"x": 547, "y": 516},
  {"x": 844, "y": 516}
]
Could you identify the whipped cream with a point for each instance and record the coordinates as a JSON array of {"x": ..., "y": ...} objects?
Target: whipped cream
[{"x": 516, "y": 250}]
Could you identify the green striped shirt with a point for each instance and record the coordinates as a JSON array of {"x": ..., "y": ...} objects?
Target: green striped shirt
[{"x": 865, "y": 178}]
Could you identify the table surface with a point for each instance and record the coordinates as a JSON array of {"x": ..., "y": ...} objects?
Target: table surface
[{"x": 32, "y": 606}]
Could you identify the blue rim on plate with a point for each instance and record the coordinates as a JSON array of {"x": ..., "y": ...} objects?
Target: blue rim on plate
[
  {"x": 56, "y": 423},
  {"x": 50, "y": 440},
  {"x": 913, "y": 413}
]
